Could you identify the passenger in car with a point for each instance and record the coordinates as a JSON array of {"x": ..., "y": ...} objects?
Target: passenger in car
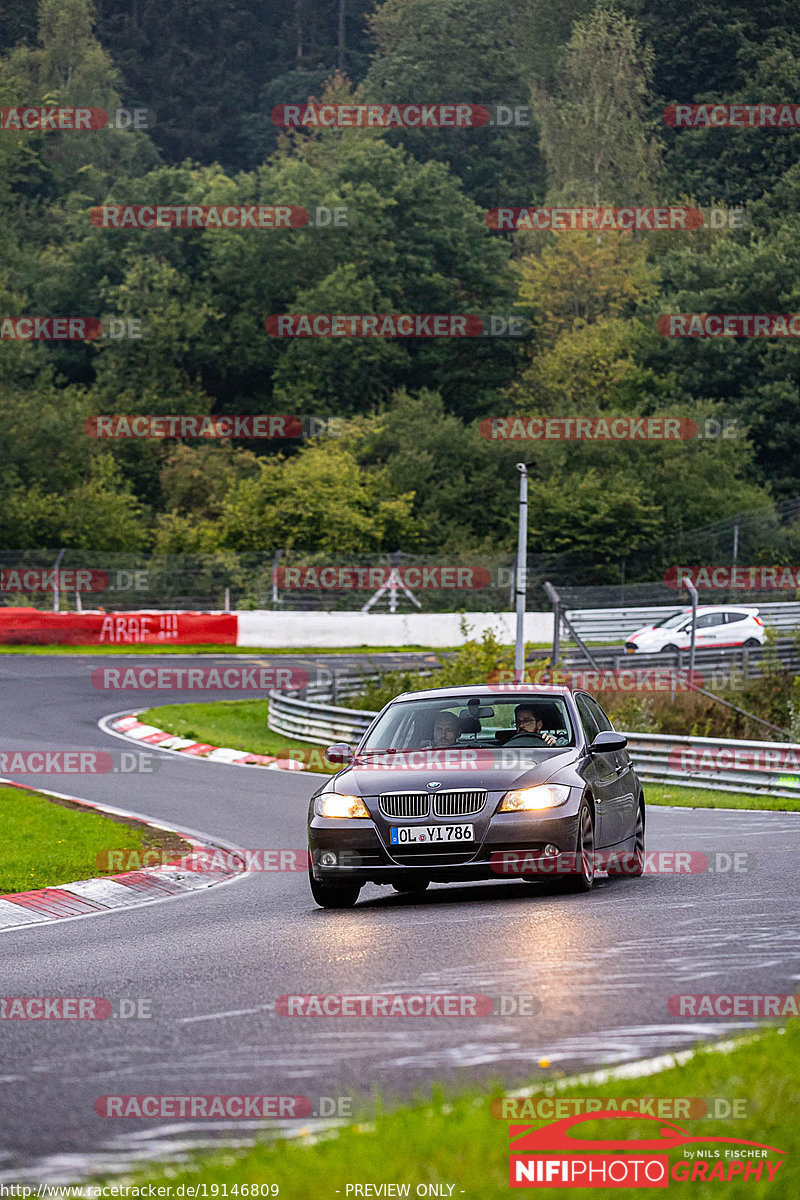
[{"x": 446, "y": 729}]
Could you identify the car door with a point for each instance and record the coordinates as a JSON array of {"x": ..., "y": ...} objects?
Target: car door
[
  {"x": 625, "y": 802},
  {"x": 601, "y": 773},
  {"x": 716, "y": 631},
  {"x": 710, "y": 629}
]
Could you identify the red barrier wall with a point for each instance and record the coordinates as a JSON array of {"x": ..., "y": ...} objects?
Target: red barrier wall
[{"x": 30, "y": 626}]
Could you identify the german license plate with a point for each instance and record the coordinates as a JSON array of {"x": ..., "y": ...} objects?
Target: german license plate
[{"x": 431, "y": 833}]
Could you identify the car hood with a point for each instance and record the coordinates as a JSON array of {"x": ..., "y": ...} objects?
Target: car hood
[{"x": 368, "y": 781}]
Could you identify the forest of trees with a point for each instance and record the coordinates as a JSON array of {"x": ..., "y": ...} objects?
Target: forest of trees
[{"x": 409, "y": 467}]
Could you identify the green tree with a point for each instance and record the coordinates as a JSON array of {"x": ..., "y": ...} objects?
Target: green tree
[
  {"x": 321, "y": 500},
  {"x": 594, "y": 125}
]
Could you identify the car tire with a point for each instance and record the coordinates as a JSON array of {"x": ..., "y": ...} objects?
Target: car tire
[
  {"x": 631, "y": 863},
  {"x": 333, "y": 895},
  {"x": 582, "y": 879},
  {"x": 409, "y": 887},
  {"x": 670, "y": 648},
  {"x": 752, "y": 644}
]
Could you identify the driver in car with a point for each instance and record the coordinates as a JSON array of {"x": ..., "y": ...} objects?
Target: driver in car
[
  {"x": 446, "y": 729},
  {"x": 526, "y": 721}
]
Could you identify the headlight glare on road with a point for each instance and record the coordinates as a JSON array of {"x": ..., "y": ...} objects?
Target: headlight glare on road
[
  {"x": 334, "y": 805},
  {"x": 544, "y": 795}
]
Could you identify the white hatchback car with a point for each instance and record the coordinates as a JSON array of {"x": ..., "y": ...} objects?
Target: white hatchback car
[{"x": 720, "y": 627}]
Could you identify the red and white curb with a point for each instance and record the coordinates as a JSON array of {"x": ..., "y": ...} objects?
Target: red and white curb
[
  {"x": 131, "y": 889},
  {"x": 129, "y": 726}
]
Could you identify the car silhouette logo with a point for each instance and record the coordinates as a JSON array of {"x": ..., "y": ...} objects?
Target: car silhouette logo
[
  {"x": 556, "y": 1136},
  {"x": 434, "y": 783}
]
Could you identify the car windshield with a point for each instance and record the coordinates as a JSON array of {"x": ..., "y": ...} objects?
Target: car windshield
[
  {"x": 485, "y": 721},
  {"x": 672, "y": 622}
]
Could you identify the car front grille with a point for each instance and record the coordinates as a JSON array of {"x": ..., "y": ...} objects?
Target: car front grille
[
  {"x": 418, "y": 804},
  {"x": 404, "y": 804},
  {"x": 458, "y": 804}
]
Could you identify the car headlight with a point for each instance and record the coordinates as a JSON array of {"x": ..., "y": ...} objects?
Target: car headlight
[
  {"x": 334, "y": 805},
  {"x": 544, "y": 795}
]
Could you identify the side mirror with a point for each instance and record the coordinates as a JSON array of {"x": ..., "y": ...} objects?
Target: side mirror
[
  {"x": 339, "y": 753},
  {"x": 608, "y": 741}
]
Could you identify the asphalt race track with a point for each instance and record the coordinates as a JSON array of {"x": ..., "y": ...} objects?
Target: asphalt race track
[{"x": 212, "y": 962}]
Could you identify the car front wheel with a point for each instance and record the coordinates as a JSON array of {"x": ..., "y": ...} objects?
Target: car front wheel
[
  {"x": 631, "y": 863},
  {"x": 333, "y": 895},
  {"x": 582, "y": 878},
  {"x": 408, "y": 887}
]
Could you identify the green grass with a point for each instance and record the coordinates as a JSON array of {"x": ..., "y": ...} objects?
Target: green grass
[
  {"x": 455, "y": 1139},
  {"x": 47, "y": 842},
  {"x": 239, "y": 724},
  {"x": 656, "y": 793}
]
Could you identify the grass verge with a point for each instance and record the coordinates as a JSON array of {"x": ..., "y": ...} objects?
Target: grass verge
[
  {"x": 456, "y": 1139},
  {"x": 657, "y": 793},
  {"x": 47, "y": 841},
  {"x": 239, "y": 724}
]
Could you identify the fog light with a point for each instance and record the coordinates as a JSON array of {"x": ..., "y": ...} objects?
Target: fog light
[
  {"x": 550, "y": 849},
  {"x": 327, "y": 858}
]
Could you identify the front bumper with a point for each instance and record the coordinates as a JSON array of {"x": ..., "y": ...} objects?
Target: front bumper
[{"x": 362, "y": 855}]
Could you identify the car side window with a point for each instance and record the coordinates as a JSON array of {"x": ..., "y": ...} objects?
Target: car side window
[
  {"x": 587, "y": 720},
  {"x": 708, "y": 619},
  {"x": 601, "y": 720},
  {"x": 732, "y": 617}
]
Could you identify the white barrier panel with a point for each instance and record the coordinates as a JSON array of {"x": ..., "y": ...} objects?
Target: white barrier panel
[{"x": 353, "y": 629}]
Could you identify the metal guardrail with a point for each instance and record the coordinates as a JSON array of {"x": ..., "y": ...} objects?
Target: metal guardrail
[
  {"x": 317, "y": 722},
  {"x": 717, "y": 764},
  {"x": 607, "y": 624}
]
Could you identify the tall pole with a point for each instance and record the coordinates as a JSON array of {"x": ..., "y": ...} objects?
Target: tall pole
[
  {"x": 693, "y": 593},
  {"x": 342, "y": 35},
  {"x": 56, "y": 590},
  {"x": 522, "y": 573}
]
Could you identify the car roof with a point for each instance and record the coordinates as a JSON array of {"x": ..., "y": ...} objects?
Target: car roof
[
  {"x": 486, "y": 691},
  {"x": 707, "y": 608}
]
